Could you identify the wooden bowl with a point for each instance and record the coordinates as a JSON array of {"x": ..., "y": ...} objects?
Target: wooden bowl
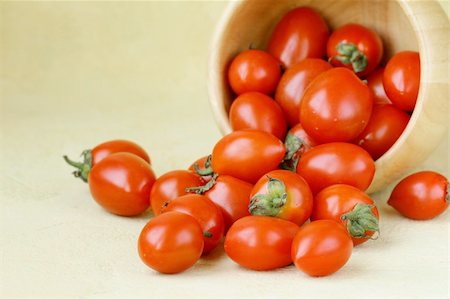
[{"x": 403, "y": 25}]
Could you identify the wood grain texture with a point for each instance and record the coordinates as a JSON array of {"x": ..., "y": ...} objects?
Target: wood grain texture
[{"x": 403, "y": 25}]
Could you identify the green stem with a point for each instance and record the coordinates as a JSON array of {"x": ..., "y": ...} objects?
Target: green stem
[
  {"x": 350, "y": 54},
  {"x": 271, "y": 203},
  {"x": 207, "y": 170},
  {"x": 361, "y": 220},
  {"x": 83, "y": 168},
  {"x": 447, "y": 196},
  {"x": 207, "y": 234},
  {"x": 204, "y": 188}
]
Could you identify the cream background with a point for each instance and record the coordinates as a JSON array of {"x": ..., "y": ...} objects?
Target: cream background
[{"x": 74, "y": 74}]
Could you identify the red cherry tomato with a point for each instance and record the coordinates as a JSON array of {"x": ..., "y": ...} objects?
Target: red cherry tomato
[
  {"x": 247, "y": 155},
  {"x": 349, "y": 206},
  {"x": 257, "y": 111},
  {"x": 301, "y": 33},
  {"x": 355, "y": 47},
  {"x": 260, "y": 243},
  {"x": 171, "y": 185},
  {"x": 205, "y": 212},
  {"x": 202, "y": 167},
  {"x": 421, "y": 195},
  {"x": 375, "y": 84},
  {"x": 384, "y": 128},
  {"x": 254, "y": 70},
  {"x": 93, "y": 156},
  {"x": 231, "y": 195},
  {"x": 171, "y": 242},
  {"x": 321, "y": 248},
  {"x": 401, "y": 79},
  {"x": 297, "y": 142},
  {"x": 121, "y": 184},
  {"x": 336, "y": 163},
  {"x": 283, "y": 194},
  {"x": 293, "y": 83},
  {"x": 336, "y": 106}
]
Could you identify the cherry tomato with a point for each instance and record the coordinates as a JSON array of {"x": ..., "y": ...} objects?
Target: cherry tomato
[
  {"x": 301, "y": 33},
  {"x": 205, "y": 212},
  {"x": 336, "y": 163},
  {"x": 171, "y": 242},
  {"x": 230, "y": 194},
  {"x": 355, "y": 47},
  {"x": 297, "y": 142},
  {"x": 260, "y": 242},
  {"x": 422, "y": 195},
  {"x": 121, "y": 184},
  {"x": 349, "y": 206},
  {"x": 247, "y": 154},
  {"x": 336, "y": 106},
  {"x": 401, "y": 79},
  {"x": 202, "y": 167},
  {"x": 171, "y": 185},
  {"x": 257, "y": 111},
  {"x": 384, "y": 128},
  {"x": 321, "y": 248},
  {"x": 254, "y": 70},
  {"x": 283, "y": 194},
  {"x": 375, "y": 84},
  {"x": 293, "y": 83},
  {"x": 101, "y": 151}
]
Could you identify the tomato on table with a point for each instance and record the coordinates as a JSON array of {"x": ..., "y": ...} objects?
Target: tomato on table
[
  {"x": 171, "y": 242},
  {"x": 257, "y": 111},
  {"x": 321, "y": 248},
  {"x": 301, "y": 33},
  {"x": 385, "y": 126},
  {"x": 355, "y": 47},
  {"x": 421, "y": 196},
  {"x": 171, "y": 185},
  {"x": 260, "y": 242},
  {"x": 336, "y": 106},
  {"x": 247, "y": 154},
  {"x": 336, "y": 163},
  {"x": 205, "y": 212},
  {"x": 93, "y": 156},
  {"x": 121, "y": 184},
  {"x": 254, "y": 70},
  {"x": 351, "y": 207},
  {"x": 375, "y": 84},
  {"x": 283, "y": 194},
  {"x": 293, "y": 84},
  {"x": 401, "y": 79}
]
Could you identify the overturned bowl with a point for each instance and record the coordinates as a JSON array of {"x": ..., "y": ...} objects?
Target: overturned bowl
[{"x": 420, "y": 26}]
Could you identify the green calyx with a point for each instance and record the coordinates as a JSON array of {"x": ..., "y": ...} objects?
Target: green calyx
[
  {"x": 207, "y": 170},
  {"x": 293, "y": 144},
  {"x": 83, "y": 168},
  {"x": 447, "y": 196},
  {"x": 271, "y": 203},
  {"x": 204, "y": 188},
  {"x": 349, "y": 54},
  {"x": 361, "y": 220}
]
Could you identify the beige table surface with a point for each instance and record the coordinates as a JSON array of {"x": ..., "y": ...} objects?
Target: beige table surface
[{"x": 75, "y": 74}]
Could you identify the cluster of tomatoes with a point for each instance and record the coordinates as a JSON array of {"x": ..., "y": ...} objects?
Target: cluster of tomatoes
[{"x": 271, "y": 196}]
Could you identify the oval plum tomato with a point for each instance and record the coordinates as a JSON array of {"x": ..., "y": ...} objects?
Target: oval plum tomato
[
  {"x": 283, "y": 194},
  {"x": 205, "y": 212},
  {"x": 301, "y": 33},
  {"x": 375, "y": 84},
  {"x": 254, "y": 70},
  {"x": 336, "y": 106},
  {"x": 355, "y": 47},
  {"x": 171, "y": 185},
  {"x": 230, "y": 194},
  {"x": 297, "y": 142},
  {"x": 336, "y": 163},
  {"x": 247, "y": 154},
  {"x": 101, "y": 151},
  {"x": 401, "y": 79},
  {"x": 260, "y": 242},
  {"x": 321, "y": 248},
  {"x": 384, "y": 128},
  {"x": 257, "y": 111},
  {"x": 121, "y": 184},
  {"x": 421, "y": 196},
  {"x": 202, "y": 167},
  {"x": 171, "y": 242},
  {"x": 349, "y": 206},
  {"x": 293, "y": 83}
]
